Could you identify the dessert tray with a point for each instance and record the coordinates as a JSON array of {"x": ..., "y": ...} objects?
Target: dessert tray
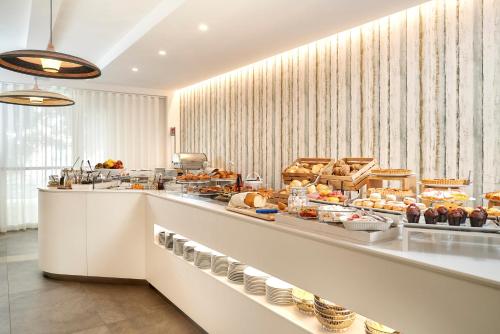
[
  {"x": 365, "y": 224},
  {"x": 192, "y": 181},
  {"x": 335, "y": 231},
  {"x": 462, "y": 228},
  {"x": 391, "y": 172},
  {"x": 392, "y": 212}
]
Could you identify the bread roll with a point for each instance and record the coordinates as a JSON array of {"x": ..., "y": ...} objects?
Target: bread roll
[{"x": 255, "y": 200}]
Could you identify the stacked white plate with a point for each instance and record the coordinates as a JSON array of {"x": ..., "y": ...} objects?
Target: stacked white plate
[
  {"x": 178, "y": 244},
  {"x": 235, "y": 271},
  {"x": 162, "y": 238},
  {"x": 188, "y": 251},
  {"x": 202, "y": 257},
  {"x": 169, "y": 239},
  {"x": 278, "y": 292},
  {"x": 219, "y": 264},
  {"x": 255, "y": 281}
]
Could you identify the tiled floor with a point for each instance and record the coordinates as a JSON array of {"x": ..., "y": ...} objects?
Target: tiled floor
[{"x": 31, "y": 303}]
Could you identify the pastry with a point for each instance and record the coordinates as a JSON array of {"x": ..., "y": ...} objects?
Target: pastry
[
  {"x": 478, "y": 217},
  {"x": 255, "y": 200},
  {"x": 390, "y": 197},
  {"x": 455, "y": 216},
  {"x": 401, "y": 207},
  {"x": 409, "y": 200},
  {"x": 375, "y": 197},
  {"x": 387, "y": 206},
  {"x": 442, "y": 214},
  {"x": 368, "y": 204},
  {"x": 493, "y": 196},
  {"x": 431, "y": 216},
  {"x": 379, "y": 204},
  {"x": 421, "y": 206},
  {"x": 358, "y": 202},
  {"x": 412, "y": 214},
  {"x": 468, "y": 210}
]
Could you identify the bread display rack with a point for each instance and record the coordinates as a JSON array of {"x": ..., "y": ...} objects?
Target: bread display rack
[
  {"x": 428, "y": 183},
  {"x": 311, "y": 176},
  {"x": 405, "y": 177},
  {"x": 353, "y": 181}
]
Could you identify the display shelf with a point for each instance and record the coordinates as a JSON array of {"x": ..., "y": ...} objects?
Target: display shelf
[{"x": 303, "y": 323}]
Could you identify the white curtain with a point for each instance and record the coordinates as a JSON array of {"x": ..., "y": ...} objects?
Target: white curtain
[{"x": 37, "y": 142}]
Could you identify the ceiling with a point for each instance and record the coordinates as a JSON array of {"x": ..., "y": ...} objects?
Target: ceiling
[{"x": 118, "y": 35}]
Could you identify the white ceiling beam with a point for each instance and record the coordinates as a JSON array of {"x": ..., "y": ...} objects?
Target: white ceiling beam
[{"x": 155, "y": 16}]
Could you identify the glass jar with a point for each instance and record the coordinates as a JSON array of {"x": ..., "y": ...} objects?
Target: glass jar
[{"x": 297, "y": 199}]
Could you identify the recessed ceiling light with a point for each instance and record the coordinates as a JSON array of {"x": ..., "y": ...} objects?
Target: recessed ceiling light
[
  {"x": 203, "y": 27},
  {"x": 162, "y": 52},
  {"x": 135, "y": 69}
]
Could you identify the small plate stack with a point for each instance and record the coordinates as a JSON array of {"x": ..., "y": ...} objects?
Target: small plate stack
[
  {"x": 178, "y": 244},
  {"x": 303, "y": 300},
  {"x": 372, "y": 327},
  {"x": 219, "y": 264},
  {"x": 235, "y": 271},
  {"x": 202, "y": 257},
  {"x": 169, "y": 239},
  {"x": 255, "y": 281},
  {"x": 162, "y": 238},
  {"x": 278, "y": 292},
  {"x": 333, "y": 318},
  {"x": 188, "y": 251}
]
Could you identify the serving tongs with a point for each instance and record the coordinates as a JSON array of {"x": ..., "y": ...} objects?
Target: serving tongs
[{"x": 373, "y": 215}]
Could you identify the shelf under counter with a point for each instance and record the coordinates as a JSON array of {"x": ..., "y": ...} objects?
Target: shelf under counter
[{"x": 379, "y": 281}]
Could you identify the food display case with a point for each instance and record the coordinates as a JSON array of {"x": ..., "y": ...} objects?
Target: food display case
[{"x": 189, "y": 161}]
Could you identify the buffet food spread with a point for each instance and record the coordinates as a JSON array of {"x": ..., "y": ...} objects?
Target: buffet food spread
[{"x": 321, "y": 190}]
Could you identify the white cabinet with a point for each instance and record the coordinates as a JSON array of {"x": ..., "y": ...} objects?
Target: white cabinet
[
  {"x": 116, "y": 235},
  {"x": 62, "y": 234}
]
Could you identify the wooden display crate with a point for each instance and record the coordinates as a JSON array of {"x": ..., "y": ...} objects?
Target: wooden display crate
[
  {"x": 346, "y": 185},
  {"x": 289, "y": 177},
  {"x": 350, "y": 181}
]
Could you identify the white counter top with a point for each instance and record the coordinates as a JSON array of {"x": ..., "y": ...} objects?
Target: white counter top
[{"x": 479, "y": 263}]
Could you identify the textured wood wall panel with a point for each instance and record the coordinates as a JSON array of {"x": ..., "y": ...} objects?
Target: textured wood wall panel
[{"x": 418, "y": 89}]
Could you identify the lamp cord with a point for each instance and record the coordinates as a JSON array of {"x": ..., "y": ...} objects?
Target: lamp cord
[{"x": 50, "y": 22}]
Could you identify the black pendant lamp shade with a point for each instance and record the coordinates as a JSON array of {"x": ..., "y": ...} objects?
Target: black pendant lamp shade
[
  {"x": 48, "y": 63},
  {"x": 35, "y": 98}
]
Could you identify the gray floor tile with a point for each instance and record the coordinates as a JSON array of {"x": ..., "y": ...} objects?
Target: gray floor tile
[
  {"x": 26, "y": 276},
  {"x": 70, "y": 312},
  {"x": 165, "y": 319},
  {"x": 4, "y": 286},
  {"x": 4, "y": 315},
  {"x": 119, "y": 302},
  {"x": 22, "y": 242},
  {"x": 96, "y": 330}
]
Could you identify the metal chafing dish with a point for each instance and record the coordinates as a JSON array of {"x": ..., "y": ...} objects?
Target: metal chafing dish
[{"x": 189, "y": 161}]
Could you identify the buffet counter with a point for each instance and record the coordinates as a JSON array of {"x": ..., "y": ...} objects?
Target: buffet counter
[{"x": 445, "y": 287}]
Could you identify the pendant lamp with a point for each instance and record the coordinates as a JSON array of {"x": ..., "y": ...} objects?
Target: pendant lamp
[
  {"x": 35, "y": 98},
  {"x": 48, "y": 63}
]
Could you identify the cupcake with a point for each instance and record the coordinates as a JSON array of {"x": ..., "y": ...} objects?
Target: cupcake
[
  {"x": 464, "y": 215},
  {"x": 455, "y": 216},
  {"x": 412, "y": 214},
  {"x": 442, "y": 214},
  {"x": 478, "y": 217},
  {"x": 431, "y": 216}
]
